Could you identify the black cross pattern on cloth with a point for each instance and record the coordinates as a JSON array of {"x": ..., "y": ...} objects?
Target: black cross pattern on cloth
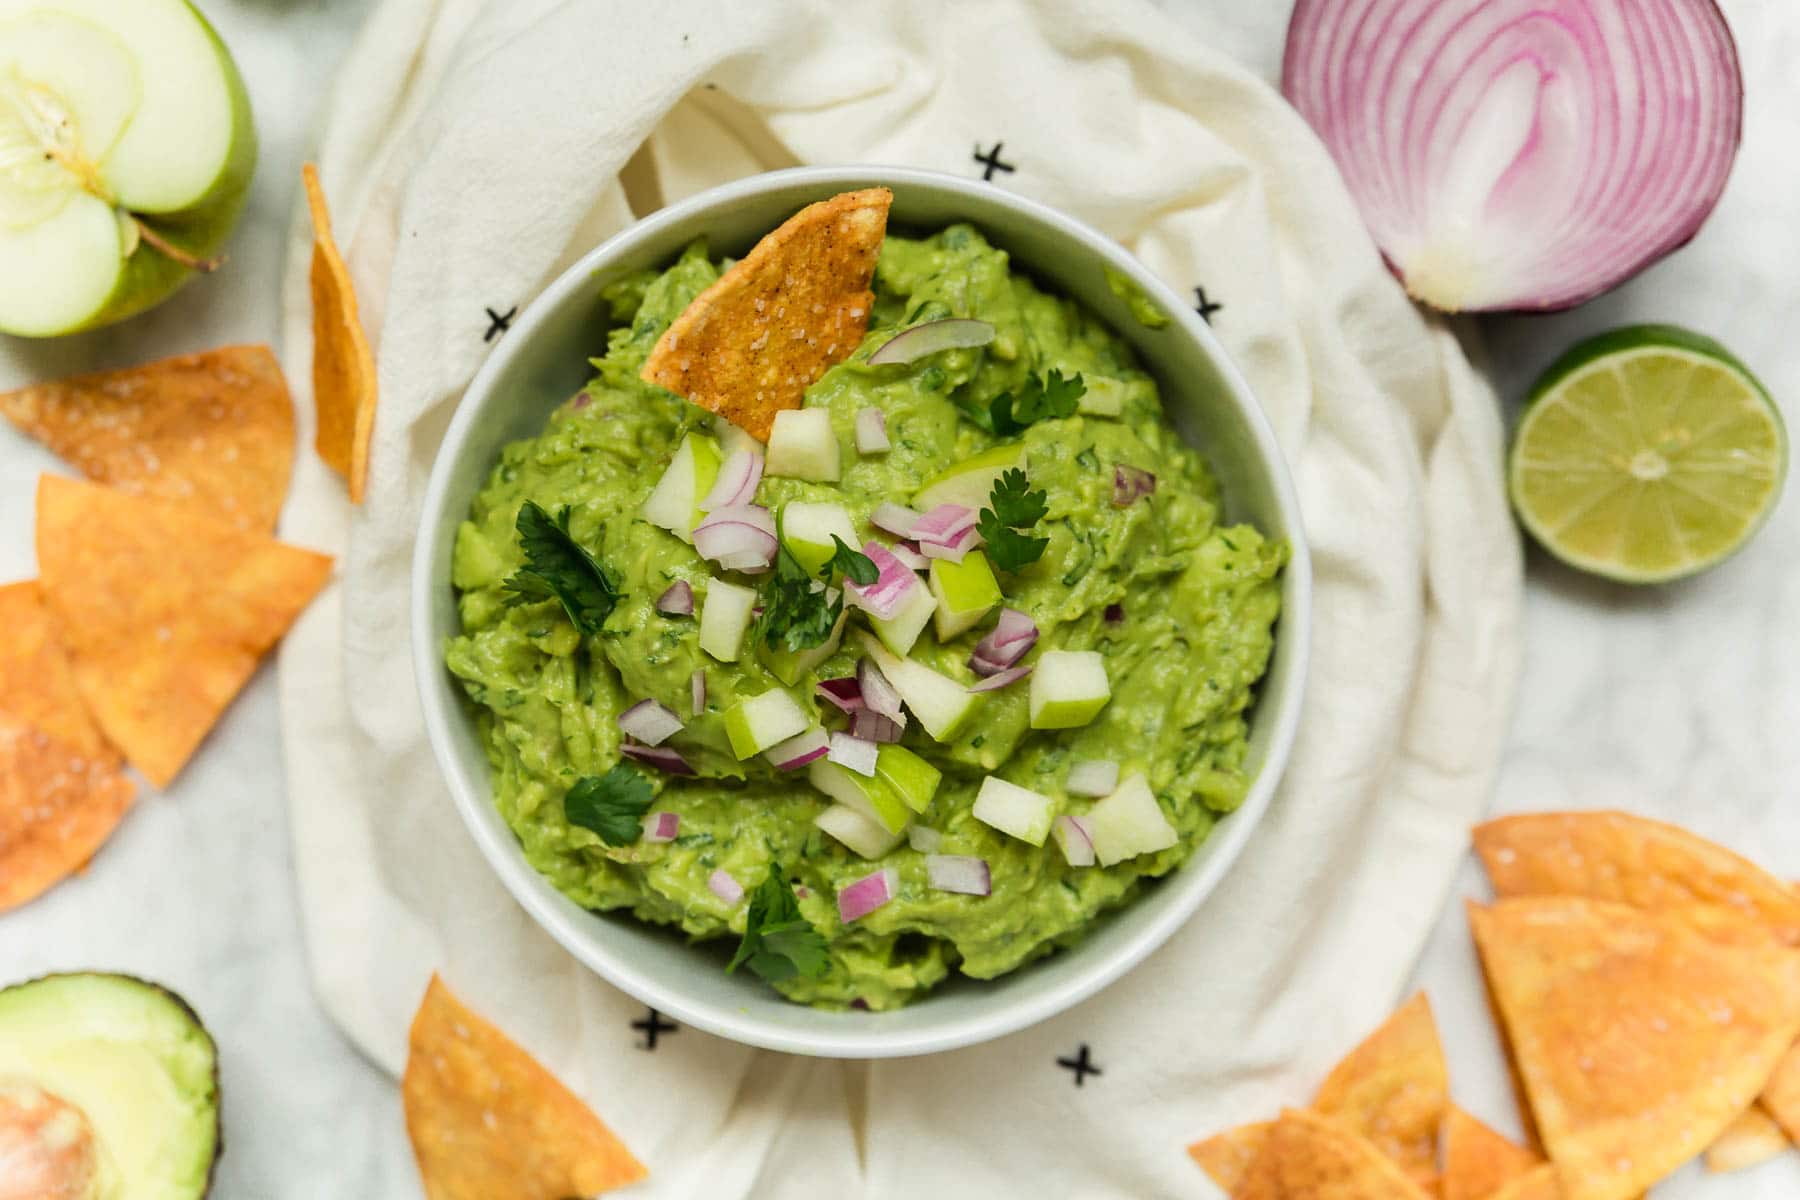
[
  {"x": 498, "y": 323},
  {"x": 990, "y": 162},
  {"x": 1080, "y": 1065},
  {"x": 1206, "y": 308},
  {"x": 651, "y": 1025}
]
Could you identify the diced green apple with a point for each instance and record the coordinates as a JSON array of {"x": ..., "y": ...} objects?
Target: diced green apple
[
  {"x": 1013, "y": 810},
  {"x": 971, "y": 481},
  {"x": 913, "y": 779},
  {"x": 803, "y": 446},
  {"x": 870, "y": 796},
  {"x": 790, "y": 665},
  {"x": 1103, "y": 397},
  {"x": 1068, "y": 688},
  {"x": 724, "y": 616},
  {"x": 942, "y": 705},
  {"x": 965, "y": 592},
  {"x": 1128, "y": 823},
  {"x": 901, "y": 631},
  {"x": 731, "y": 439},
  {"x": 674, "y": 504},
  {"x": 755, "y": 724},
  {"x": 861, "y": 833},
  {"x": 807, "y": 530}
]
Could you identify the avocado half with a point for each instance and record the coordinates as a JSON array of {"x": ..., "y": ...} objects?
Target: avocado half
[{"x": 109, "y": 1090}]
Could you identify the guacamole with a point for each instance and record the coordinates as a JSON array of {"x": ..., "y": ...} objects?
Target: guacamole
[{"x": 1179, "y": 609}]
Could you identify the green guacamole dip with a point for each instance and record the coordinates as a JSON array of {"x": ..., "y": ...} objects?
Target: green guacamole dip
[{"x": 1180, "y": 606}]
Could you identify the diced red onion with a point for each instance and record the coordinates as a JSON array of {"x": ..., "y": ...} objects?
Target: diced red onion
[
  {"x": 943, "y": 523},
  {"x": 677, "y": 600},
  {"x": 962, "y": 873},
  {"x": 1131, "y": 484},
  {"x": 581, "y": 401},
  {"x": 1095, "y": 777},
  {"x": 853, "y": 753},
  {"x": 897, "y": 519},
  {"x": 955, "y": 549},
  {"x": 725, "y": 887},
  {"x": 878, "y": 695},
  {"x": 867, "y": 894},
  {"x": 1520, "y": 156},
  {"x": 744, "y": 534},
  {"x": 1076, "y": 840},
  {"x": 797, "y": 751},
  {"x": 665, "y": 758},
  {"x": 843, "y": 694},
  {"x": 871, "y": 432},
  {"x": 951, "y": 333},
  {"x": 662, "y": 826},
  {"x": 1000, "y": 679},
  {"x": 650, "y": 722},
  {"x": 1009, "y": 641},
  {"x": 801, "y": 891},
  {"x": 736, "y": 481},
  {"x": 892, "y": 586},
  {"x": 873, "y": 727},
  {"x": 1115, "y": 614},
  {"x": 924, "y": 839},
  {"x": 697, "y": 688},
  {"x": 912, "y": 558}
]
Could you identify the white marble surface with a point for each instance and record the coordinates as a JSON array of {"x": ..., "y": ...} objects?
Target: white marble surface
[{"x": 1678, "y": 702}]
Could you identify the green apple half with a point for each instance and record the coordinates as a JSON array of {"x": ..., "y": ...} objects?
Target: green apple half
[{"x": 126, "y": 150}]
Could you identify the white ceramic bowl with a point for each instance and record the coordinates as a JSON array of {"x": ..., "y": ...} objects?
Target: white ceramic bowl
[{"x": 544, "y": 359}]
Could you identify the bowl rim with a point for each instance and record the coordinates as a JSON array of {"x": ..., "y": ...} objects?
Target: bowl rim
[{"x": 550, "y": 910}]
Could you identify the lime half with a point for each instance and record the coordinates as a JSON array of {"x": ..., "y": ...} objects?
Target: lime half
[{"x": 1647, "y": 454}]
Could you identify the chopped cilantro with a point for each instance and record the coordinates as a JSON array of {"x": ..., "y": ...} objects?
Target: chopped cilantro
[
  {"x": 778, "y": 942},
  {"x": 857, "y": 567},
  {"x": 795, "y": 617},
  {"x": 556, "y": 565},
  {"x": 1013, "y": 506},
  {"x": 1051, "y": 396},
  {"x": 612, "y": 805}
]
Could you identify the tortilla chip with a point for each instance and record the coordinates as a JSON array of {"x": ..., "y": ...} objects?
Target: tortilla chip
[
  {"x": 486, "y": 1120},
  {"x": 57, "y": 807},
  {"x": 36, "y": 686},
  {"x": 1754, "y": 1138},
  {"x": 1478, "y": 1161},
  {"x": 1631, "y": 860},
  {"x": 1639, "y": 1039},
  {"x": 1393, "y": 1090},
  {"x": 1781, "y": 1095},
  {"x": 1226, "y": 1157},
  {"x": 165, "y": 610},
  {"x": 216, "y": 428},
  {"x": 343, "y": 365},
  {"x": 1540, "y": 1183},
  {"x": 750, "y": 345},
  {"x": 1310, "y": 1157}
]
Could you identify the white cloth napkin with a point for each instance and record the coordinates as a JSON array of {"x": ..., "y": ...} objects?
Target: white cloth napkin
[{"x": 472, "y": 150}]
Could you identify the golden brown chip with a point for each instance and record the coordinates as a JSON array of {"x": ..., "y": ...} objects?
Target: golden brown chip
[
  {"x": 1540, "y": 1183},
  {"x": 1632, "y": 860},
  {"x": 750, "y": 345},
  {"x": 165, "y": 611},
  {"x": 1393, "y": 1089},
  {"x": 1781, "y": 1095},
  {"x": 1477, "y": 1161},
  {"x": 487, "y": 1121},
  {"x": 343, "y": 365},
  {"x": 1754, "y": 1138},
  {"x": 1226, "y": 1157},
  {"x": 36, "y": 685},
  {"x": 57, "y": 806},
  {"x": 216, "y": 428},
  {"x": 1310, "y": 1157},
  {"x": 1639, "y": 1039}
]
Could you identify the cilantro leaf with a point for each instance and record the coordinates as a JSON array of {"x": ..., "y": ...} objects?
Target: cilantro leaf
[
  {"x": 556, "y": 565},
  {"x": 612, "y": 805},
  {"x": 1038, "y": 399},
  {"x": 795, "y": 617},
  {"x": 1013, "y": 506},
  {"x": 1011, "y": 550},
  {"x": 778, "y": 942},
  {"x": 857, "y": 567}
]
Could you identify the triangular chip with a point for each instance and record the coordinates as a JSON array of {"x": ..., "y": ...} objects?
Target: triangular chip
[
  {"x": 487, "y": 1121},
  {"x": 751, "y": 344},
  {"x": 1393, "y": 1090},
  {"x": 1754, "y": 1138},
  {"x": 37, "y": 687},
  {"x": 1639, "y": 1039},
  {"x": 1781, "y": 1095},
  {"x": 1478, "y": 1161},
  {"x": 1636, "y": 861},
  {"x": 165, "y": 611},
  {"x": 1310, "y": 1157},
  {"x": 1226, "y": 1157},
  {"x": 1540, "y": 1183},
  {"x": 57, "y": 806},
  {"x": 343, "y": 365},
  {"x": 215, "y": 428}
]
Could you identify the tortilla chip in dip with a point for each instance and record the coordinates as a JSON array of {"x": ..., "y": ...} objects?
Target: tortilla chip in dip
[
  {"x": 343, "y": 364},
  {"x": 57, "y": 807},
  {"x": 1751, "y": 1140},
  {"x": 1393, "y": 1089},
  {"x": 36, "y": 685},
  {"x": 750, "y": 345},
  {"x": 1477, "y": 1161},
  {"x": 487, "y": 1121},
  {"x": 1226, "y": 1157},
  {"x": 1310, "y": 1157},
  {"x": 165, "y": 610},
  {"x": 1639, "y": 1039},
  {"x": 215, "y": 428}
]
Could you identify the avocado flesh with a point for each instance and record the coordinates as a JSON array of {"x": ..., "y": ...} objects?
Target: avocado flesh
[{"x": 136, "y": 1062}]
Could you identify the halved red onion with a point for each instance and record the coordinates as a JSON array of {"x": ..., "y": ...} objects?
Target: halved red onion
[
  {"x": 664, "y": 758},
  {"x": 911, "y": 557},
  {"x": 873, "y": 727},
  {"x": 892, "y": 586},
  {"x": 677, "y": 600},
  {"x": 924, "y": 839},
  {"x": 853, "y": 753},
  {"x": 962, "y": 873},
  {"x": 1076, "y": 838},
  {"x": 952, "y": 333},
  {"x": 1509, "y": 156},
  {"x": 808, "y": 746},
  {"x": 662, "y": 826},
  {"x": 878, "y": 695},
  {"x": 736, "y": 481},
  {"x": 650, "y": 722},
  {"x": 867, "y": 894},
  {"x": 1000, "y": 679},
  {"x": 697, "y": 690},
  {"x": 725, "y": 887},
  {"x": 843, "y": 694},
  {"x": 1131, "y": 484},
  {"x": 1009, "y": 641},
  {"x": 897, "y": 519},
  {"x": 871, "y": 432},
  {"x": 739, "y": 537},
  {"x": 1095, "y": 777}
]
